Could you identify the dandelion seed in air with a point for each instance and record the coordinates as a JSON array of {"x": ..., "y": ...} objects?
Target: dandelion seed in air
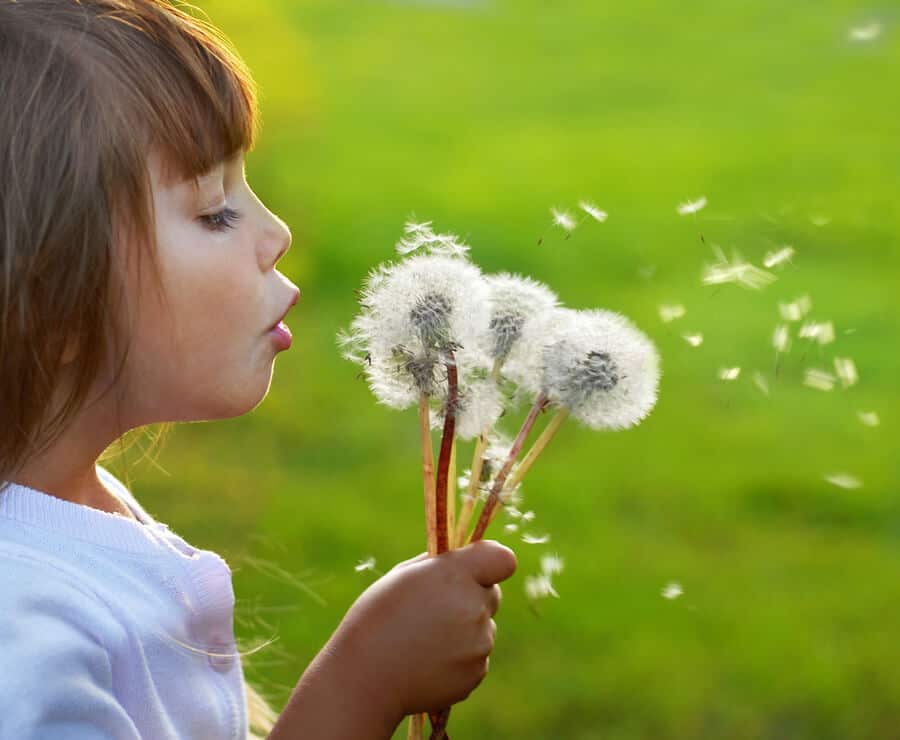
[
  {"x": 869, "y": 418},
  {"x": 539, "y": 587},
  {"x": 781, "y": 339},
  {"x": 692, "y": 206},
  {"x": 823, "y": 332},
  {"x": 729, "y": 373},
  {"x": 531, "y": 539},
  {"x": 759, "y": 380},
  {"x": 593, "y": 211},
  {"x": 843, "y": 480},
  {"x": 671, "y": 312},
  {"x": 672, "y": 591},
  {"x": 845, "y": 369},
  {"x": 563, "y": 219},
  {"x": 551, "y": 564},
  {"x": 869, "y": 32},
  {"x": 821, "y": 380},
  {"x": 737, "y": 271},
  {"x": 695, "y": 340},
  {"x": 510, "y": 528},
  {"x": 367, "y": 564},
  {"x": 795, "y": 310},
  {"x": 778, "y": 258}
]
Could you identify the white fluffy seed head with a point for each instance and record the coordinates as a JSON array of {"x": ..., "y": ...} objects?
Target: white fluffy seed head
[
  {"x": 598, "y": 365},
  {"x": 422, "y": 236},
  {"x": 519, "y": 307}
]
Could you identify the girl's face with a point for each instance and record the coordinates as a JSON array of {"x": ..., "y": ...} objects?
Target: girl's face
[{"x": 206, "y": 352}]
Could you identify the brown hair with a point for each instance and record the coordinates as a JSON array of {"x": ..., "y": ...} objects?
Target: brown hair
[{"x": 90, "y": 88}]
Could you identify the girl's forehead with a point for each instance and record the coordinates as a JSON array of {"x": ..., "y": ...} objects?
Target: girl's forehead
[{"x": 207, "y": 186}]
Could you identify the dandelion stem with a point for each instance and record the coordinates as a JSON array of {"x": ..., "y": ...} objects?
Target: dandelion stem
[
  {"x": 493, "y": 499},
  {"x": 440, "y": 498},
  {"x": 416, "y": 727},
  {"x": 468, "y": 504},
  {"x": 536, "y": 449},
  {"x": 428, "y": 474},
  {"x": 451, "y": 497}
]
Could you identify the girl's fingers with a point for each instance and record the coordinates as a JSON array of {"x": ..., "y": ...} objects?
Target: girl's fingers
[{"x": 494, "y": 596}]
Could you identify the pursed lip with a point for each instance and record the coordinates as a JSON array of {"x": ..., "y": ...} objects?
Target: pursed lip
[{"x": 291, "y": 304}]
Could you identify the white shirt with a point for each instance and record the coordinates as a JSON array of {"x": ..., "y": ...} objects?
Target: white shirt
[{"x": 93, "y": 607}]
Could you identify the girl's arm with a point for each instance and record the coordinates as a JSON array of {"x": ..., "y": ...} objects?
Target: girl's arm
[{"x": 417, "y": 640}]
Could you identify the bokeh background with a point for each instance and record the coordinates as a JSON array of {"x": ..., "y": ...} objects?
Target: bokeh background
[{"x": 480, "y": 116}]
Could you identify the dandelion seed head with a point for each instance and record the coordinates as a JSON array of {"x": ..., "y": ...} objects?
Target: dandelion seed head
[
  {"x": 778, "y": 257},
  {"x": 367, "y": 564},
  {"x": 596, "y": 364},
  {"x": 593, "y": 211},
  {"x": 695, "y": 340},
  {"x": 671, "y": 312},
  {"x": 692, "y": 206},
  {"x": 672, "y": 591},
  {"x": 563, "y": 219},
  {"x": 843, "y": 480},
  {"x": 422, "y": 236},
  {"x": 729, "y": 373},
  {"x": 868, "y": 418},
  {"x": 845, "y": 369},
  {"x": 821, "y": 380},
  {"x": 480, "y": 405},
  {"x": 519, "y": 308}
]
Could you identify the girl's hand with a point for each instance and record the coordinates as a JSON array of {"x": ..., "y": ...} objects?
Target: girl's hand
[{"x": 418, "y": 639}]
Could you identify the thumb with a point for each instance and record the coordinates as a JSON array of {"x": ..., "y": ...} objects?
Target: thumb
[{"x": 489, "y": 562}]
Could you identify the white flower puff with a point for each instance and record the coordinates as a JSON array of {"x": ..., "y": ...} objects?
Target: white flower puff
[
  {"x": 414, "y": 313},
  {"x": 601, "y": 367},
  {"x": 519, "y": 306}
]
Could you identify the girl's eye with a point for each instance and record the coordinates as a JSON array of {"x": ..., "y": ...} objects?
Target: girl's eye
[{"x": 221, "y": 220}]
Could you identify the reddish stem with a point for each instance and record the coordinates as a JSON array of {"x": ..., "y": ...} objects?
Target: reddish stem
[
  {"x": 440, "y": 492},
  {"x": 539, "y": 404}
]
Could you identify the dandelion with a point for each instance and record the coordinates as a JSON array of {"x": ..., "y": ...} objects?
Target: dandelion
[
  {"x": 778, "y": 257},
  {"x": 671, "y": 312},
  {"x": 527, "y": 516},
  {"x": 511, "y": 527},
  {"x": 759, "y": 380},
  {"x": 823, "y": 333},
  {"x": 843, "y": 480},
  {"x": 868, "y": 418},
  {"x": 736, "y": 271},
  {"x": 692, "y": 206},
  {"x": 820, "y": 220},
  {"x": 729, "y": 373},
  {"x": 795, "y": 310},
  {"x": 781, "y": 339},
  {"x": 563, "y": 219},
  {"x": 695, "y": 340},
  {"x": 367, "y": 564},
  {"x": 519, "y": 306},
  {"x": 531, "y": 539},
  {"x": 672, "y": 591},
  {"x": 593, "y": 211},
  {"x": 863, "y": 34},
  {"x": 551, "y": 564},
  {"x": 845, "y": 369},
  {"x": 821, "y": 380},
  {"x": 539, "y": 587}
]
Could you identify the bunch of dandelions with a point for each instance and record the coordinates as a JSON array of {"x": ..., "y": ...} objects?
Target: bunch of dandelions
[{"x": 435, "y": 332}]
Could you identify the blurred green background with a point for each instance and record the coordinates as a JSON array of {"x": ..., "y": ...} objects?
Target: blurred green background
[{"x": 480, "y": 116}]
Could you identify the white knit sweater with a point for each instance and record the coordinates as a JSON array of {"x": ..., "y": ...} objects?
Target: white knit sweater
[{"x": 93, "y": 607}]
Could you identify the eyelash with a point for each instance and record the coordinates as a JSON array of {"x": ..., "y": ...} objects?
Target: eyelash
[{"x": 222, "y": 220}]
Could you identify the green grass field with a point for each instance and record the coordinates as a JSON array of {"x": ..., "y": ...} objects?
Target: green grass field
[{"x": 480, "y": 116}]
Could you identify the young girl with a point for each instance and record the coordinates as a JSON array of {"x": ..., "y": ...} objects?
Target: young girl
[{"x": 138, "y": 286}]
